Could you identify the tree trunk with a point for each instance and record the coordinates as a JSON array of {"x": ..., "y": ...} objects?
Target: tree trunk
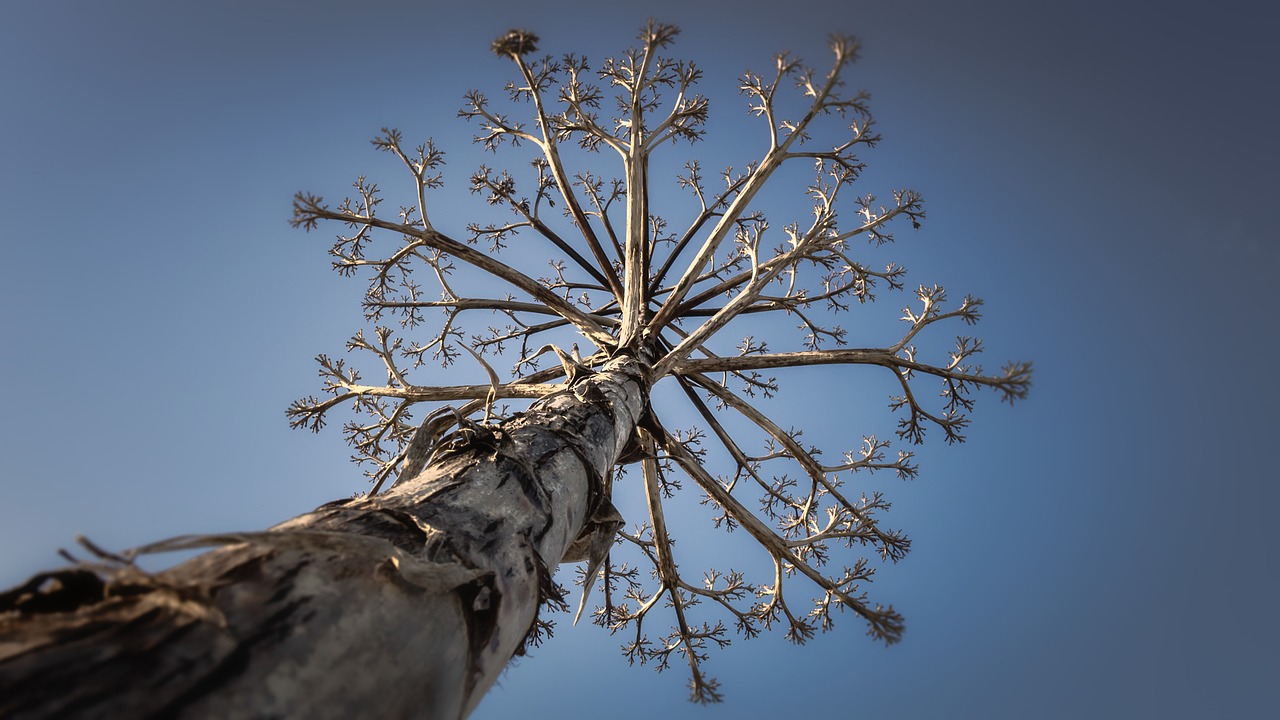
[{"x": 405, "y": 604}]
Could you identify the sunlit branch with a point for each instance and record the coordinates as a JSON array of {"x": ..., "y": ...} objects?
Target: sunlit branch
[
  {"x": 771, "y": 161},
  {"x": 470, "y": 304},
  {"x": 708, "y": 211},
  {"x": 744, "y": 463},
  {"x": 548, "y": 145},
  {"x": 794, "y": 256},
  {"x": 496, "y": 125},
  {"x": 309, "y": 209},
  {"x": 859, "y": 286},
  {"x": 533, "y": 221},
  {"x": 767, "y": 388},
  {"x": 437, "y": 393},
  {"x": 428, "y": 158},
  {"x": 885, "y": 624},
  {"x": 760, "y": 278},
  {"x": 1013, "y": 384},
  {"x": 602, "y": 205},
  {"x": 667, "y": 573},
  {"x": 683, "y": 115},
  {"x": 581, "y": 98},
  {"x": 890, "y": 544}
]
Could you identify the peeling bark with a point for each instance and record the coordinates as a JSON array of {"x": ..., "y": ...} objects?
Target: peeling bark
[{"x": 405, "y": 604}]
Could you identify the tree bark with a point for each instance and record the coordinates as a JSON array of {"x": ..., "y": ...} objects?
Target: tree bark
[{"x": 404, "y": 604}]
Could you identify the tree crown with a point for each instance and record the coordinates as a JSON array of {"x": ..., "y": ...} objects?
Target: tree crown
[{"x": 689, "y": 299}]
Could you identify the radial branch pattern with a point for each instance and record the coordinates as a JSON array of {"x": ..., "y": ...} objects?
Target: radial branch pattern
[{"x": 681, "y": 291}]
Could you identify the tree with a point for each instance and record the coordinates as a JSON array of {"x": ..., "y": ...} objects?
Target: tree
[{"x": 411, "y": 598}]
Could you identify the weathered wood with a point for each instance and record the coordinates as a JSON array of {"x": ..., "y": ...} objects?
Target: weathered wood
[{"x": 406, "y": 604}]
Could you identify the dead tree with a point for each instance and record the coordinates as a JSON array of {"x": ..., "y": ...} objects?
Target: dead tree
[{"x": 408, "y": 601}]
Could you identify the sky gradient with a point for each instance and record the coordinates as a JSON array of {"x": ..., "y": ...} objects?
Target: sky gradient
[{"x": 1101, "y": 174}]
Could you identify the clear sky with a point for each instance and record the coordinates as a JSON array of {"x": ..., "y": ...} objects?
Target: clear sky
[{"x": 1101, "y": 173}]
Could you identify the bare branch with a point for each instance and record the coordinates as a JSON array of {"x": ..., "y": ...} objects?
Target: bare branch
[
  {"x": 309, "y": 209},
  {"x": 822, "y": 101},
  {"x": 883, "y": 623},
  {"x": 547, "y": 142},
  {"x": 501, "y": 190},
  {"x": 909, "y": 204},
  {"x": 1013, "y": 383}
]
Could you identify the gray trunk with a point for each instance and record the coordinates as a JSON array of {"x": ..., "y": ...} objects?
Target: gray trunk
[{"x": 406, "y": 604}]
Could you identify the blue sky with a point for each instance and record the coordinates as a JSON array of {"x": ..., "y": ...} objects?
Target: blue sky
[{"x": 1101, "y": 174}]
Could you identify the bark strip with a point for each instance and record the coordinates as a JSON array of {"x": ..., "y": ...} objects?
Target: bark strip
[{"x": 405, "y": 604}]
